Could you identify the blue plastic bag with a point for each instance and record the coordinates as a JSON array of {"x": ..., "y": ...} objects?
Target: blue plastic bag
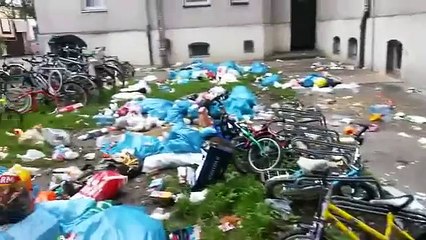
[
  {"x": 259, "y": 68},
  {"x": 240, "y": 102},
  {"x": 155, "y": 107},
  {"x": 270, "y": 80},
  {"x": 171, "y": 75},
  {"x": 143, "y": 146},
  {"x": 39, "y": 225},
  {"x": 178, "y": 111},
  {"x": 309, "y": 80},
  {"x": 232, "y": 65},
  {"x": 208, "y": 132},
  {"x": 214, "y": 110},
  {"x": 184, "y": 74},
  {"x": 183, "y": 139}
]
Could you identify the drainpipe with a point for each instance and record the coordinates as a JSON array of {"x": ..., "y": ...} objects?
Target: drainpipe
[
  {"x": 363, "y": 28},
  {"x": 148, "y": 31},
  {"x": 162, "y": 34}
]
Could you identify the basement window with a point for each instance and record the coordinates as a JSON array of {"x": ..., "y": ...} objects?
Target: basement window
[
  {"x": 199, "y": 49},
  {"x": 352, "y": 48},
  {"x": 248, "y": 46},
  {"x": 196, "y": 3},
  {"x": 240, "y": 2}
]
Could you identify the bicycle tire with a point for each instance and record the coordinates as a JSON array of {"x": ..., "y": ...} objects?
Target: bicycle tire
[
  {"x": 90, "y": 86},
  {"x": 251, "y": 153},
  {"x": 298, "y": 233},
  {"x": 80, "y": 94},
  {"x": 371, "y": 191},
  {"x": 18, "y": 100}
]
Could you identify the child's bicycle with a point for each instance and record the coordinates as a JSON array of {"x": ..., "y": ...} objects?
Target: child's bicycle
[{"x": 333, "y": 212}]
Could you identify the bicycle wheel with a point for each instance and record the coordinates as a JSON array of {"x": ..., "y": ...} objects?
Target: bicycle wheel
[
  {"x": 265, "y": 155},
  {"x": 72, "y": 93},
  {"x": 18, "y": 100},
  {"x": 297, "y": 234},
  {"x": 355, "y": 190}
]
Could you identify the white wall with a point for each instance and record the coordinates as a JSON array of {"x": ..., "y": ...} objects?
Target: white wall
[
  {"x": 226, "y": 43},
  {"x": 409, "y": 30},
  {"x": 129, "y": 46},
  {"x": 282, "y": 37}
]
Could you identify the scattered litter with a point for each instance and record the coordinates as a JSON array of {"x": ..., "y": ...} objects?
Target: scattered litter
[
  {"x": 422, "y": 141},
  {"x": 70, "y": 108},
  {"x": 4, "y": 152},
  {"x": 32, "y": 136},
  {"x": 160, "y": 214},
  {"x": 31, "y": 155},
  {"x": 416, "y": 128},
  {"x": 403, "y": 134},
  {"x": 61, "y": 153},
  {"x": 399, "y": 167},
  {"x": 416, "y": 119},
  {"x": 55, "y": 137},
  {"x": 90, "y": 156},
  {"x": 197, "y": 197},
  {"x": 229, "y": 223}
]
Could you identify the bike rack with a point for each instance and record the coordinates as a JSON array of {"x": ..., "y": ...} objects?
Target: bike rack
[{"x": 363, "y": 206}]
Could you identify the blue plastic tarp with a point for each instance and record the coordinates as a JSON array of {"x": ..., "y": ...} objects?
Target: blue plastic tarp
[
  {"x": 270, "y": 80},
  {"x": 82, "y": 218},
  {"x": 240, "y": 102}
]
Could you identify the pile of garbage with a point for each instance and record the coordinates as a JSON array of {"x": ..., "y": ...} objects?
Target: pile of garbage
[{"x": 140, "y": 136}]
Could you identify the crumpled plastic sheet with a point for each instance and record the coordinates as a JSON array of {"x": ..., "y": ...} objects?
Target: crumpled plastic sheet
[
  {"x": 80, "y": 216},
  {"x": 156, "y": 107},
  {"x": 240, "y": 102}
]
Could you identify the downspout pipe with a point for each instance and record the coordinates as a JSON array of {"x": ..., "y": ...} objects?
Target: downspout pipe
[
  {"x": 162, "y": 34},
  {"x": 363, "y": 32},
  {"x": 148, "y": 32}
]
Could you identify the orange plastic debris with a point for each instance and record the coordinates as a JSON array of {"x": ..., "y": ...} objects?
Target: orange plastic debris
[{"x": 45, "y": 196}]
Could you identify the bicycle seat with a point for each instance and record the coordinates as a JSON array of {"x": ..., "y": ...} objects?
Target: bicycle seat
[
  {"x": 315, "y": 166},
  {"x": 396, "y": 203},
  {"x": 5, "y": 55}
]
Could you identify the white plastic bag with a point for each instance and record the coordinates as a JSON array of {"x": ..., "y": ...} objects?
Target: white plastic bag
[
  {"x": 31, "y": 155},
  {"x": 56, "y": 137},
  {"x": 170, "y": 160}
]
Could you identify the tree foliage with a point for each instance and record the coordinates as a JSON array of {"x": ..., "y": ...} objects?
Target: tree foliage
[{"x": 17, "y": 9}]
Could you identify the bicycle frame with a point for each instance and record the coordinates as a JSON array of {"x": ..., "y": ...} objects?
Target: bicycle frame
[{"x": 332, "y": 212}]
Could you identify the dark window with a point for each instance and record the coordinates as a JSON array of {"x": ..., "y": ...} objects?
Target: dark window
[
  {"x": 248, "y": 46},
  {"x": 336, "y": 45},
  {"x": 394, "y": 57},
  {"x": 352, "y": 48},
  {"x": 199, "y": 49},
  {"x": 196, "y": 3},
  {"x": 240, "y": 2}
]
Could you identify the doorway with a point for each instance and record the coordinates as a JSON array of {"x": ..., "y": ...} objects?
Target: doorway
[
  {"x": 394, "y": 58},
  {"x": 303, "y": 23}
]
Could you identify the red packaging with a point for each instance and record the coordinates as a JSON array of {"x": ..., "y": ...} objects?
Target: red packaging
[{"x": 103, "y": 185}]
